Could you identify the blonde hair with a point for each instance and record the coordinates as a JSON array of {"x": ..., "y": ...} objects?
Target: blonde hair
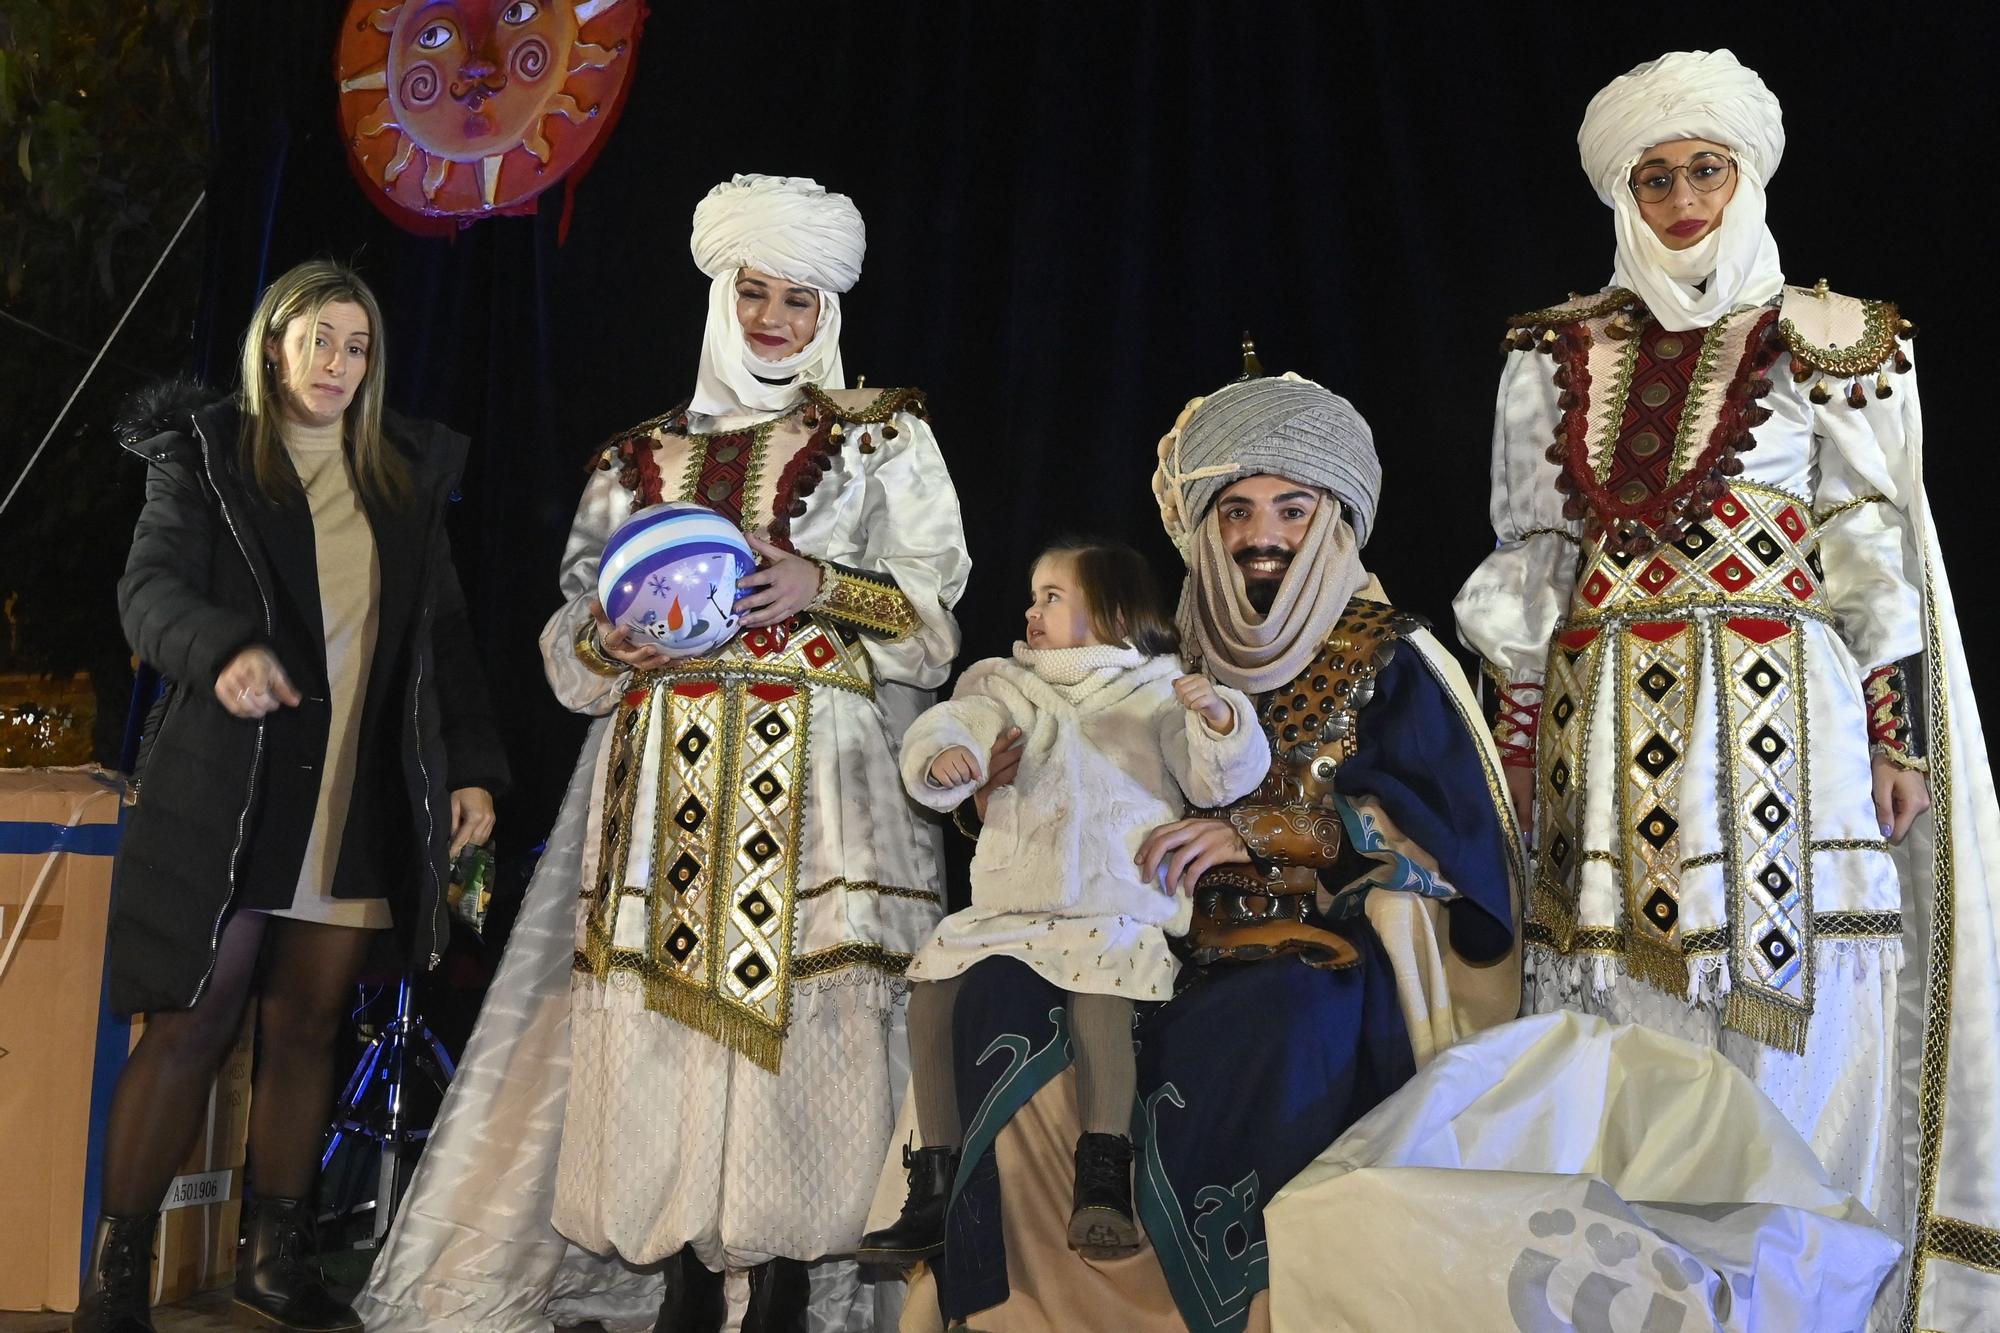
[{"x": 378, "y": 470}]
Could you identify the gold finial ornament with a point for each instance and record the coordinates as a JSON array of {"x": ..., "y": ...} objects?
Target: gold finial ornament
[{"x": 1252, "y": 367}]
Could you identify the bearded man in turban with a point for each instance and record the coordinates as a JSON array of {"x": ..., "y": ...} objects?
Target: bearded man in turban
[
  {"x": 1733, "y": 681},
  {"x": 1353, "y": 916},
  {"x": 685, "y": 1062}
]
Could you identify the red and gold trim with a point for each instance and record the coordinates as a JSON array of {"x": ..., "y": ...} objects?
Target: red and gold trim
[{"x": 870, "y": 603}]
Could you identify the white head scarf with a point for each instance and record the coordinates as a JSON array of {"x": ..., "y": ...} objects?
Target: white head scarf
[
  {"x": 793, "y": 229},
  {"x": 1689, "y": 95}
]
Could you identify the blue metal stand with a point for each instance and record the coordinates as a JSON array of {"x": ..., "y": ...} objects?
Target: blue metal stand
[{"x": 372, "y": 1106}]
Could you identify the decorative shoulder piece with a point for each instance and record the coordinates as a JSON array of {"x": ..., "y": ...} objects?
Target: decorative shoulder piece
[
  {"x": 871, "y": 603},
  {"x": 871, "y": 409},
  {"x": 1537, "y": 327},
  {"x": 633, "y": 452},
  {"x": 1833, "y": 337},
  {"x": 1311, "y": 720}
]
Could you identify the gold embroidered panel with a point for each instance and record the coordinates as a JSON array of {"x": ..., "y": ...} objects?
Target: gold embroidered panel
[
  {"x": 1761, "y": 672},
  {"x": 1762, "y": 803},
  {"x": 1562, "y": 743},
  {"x": 702, "y": 917},
  {"x": 1656, "y": 684}
]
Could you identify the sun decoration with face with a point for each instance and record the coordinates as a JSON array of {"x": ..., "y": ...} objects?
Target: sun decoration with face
[{"x": 516, "y": 91}]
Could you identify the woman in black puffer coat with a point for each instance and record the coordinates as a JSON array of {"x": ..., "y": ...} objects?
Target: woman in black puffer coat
[{"x": 323, "y": 748}]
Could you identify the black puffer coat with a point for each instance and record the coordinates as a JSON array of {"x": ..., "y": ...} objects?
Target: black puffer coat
[{"x": 225, "y": 804}]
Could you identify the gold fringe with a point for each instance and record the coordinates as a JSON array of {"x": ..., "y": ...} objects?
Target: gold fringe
[
  {"x": 1765, "y": 1020},
  {"x": 1658, "y": 963},
  {"x": 1549, "y": 909},
  {"x": 715, "y": 1018}
]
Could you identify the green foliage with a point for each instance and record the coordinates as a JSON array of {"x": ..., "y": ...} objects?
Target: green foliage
[{"x": 103, "y": 146}]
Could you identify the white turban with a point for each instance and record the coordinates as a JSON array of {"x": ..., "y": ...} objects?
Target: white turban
[
  {"x": 1689, "y": 95},
  {"x": 791, "y": 228}
]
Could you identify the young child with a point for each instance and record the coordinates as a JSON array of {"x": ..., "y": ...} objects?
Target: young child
[{"x": 1117, "y": 741}]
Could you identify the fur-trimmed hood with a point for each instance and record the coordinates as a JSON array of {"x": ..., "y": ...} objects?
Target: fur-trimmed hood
[{"x": 161, "y": 408}]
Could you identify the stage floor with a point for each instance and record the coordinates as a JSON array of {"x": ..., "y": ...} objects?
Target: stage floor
[{"x": 205, "y": 1313}]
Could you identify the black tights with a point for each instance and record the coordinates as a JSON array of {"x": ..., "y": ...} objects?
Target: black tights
[{"x": 306, "y": 990}]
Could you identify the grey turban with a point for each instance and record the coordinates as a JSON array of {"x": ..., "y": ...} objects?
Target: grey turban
[
  {"x": 787, "y": 226},
  {"x": 1285, "y": 426}
]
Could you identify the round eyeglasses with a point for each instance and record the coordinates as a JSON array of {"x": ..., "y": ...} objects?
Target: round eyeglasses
[{"x": 1705, "y": 172}]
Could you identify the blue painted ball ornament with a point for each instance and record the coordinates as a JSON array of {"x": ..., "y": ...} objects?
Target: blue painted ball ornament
[{"x": 668, "y": 577}]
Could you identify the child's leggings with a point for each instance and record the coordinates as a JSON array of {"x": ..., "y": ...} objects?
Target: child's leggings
[{"x": 1100, "y": 1027}]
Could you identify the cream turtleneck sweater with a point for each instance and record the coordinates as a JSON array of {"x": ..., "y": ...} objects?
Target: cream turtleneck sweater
[{"x": 349, "y": 589}]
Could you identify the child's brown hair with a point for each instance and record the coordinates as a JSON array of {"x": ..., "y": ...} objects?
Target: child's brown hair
[{"x": 1123, "y": 597}]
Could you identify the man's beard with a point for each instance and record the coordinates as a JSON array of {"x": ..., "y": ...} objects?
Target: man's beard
[{"x": 1260, "y": 590}]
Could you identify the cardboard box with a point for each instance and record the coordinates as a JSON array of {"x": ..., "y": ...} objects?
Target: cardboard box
[{"x": 61, "y": 1052}]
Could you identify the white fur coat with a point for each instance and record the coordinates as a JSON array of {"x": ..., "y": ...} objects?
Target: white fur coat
[{"x": 1110, "y": 754}]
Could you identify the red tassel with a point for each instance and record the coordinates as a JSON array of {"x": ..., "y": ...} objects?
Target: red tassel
[
  {"x": 1575, "y": 507},
  {"x": 1855, "y": 397},
  {"x": 1556, "y": 453},
  {"x": 1820, "y": 394},
  {"x": 1731, "y": 466},
  {"x": 1902, "y": 362},
  {"x": 1760, "y": 388}
]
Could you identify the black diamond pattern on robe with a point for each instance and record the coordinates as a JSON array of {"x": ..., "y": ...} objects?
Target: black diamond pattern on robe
[
  {"x": 1656, "y": 756},
  {"x": 1776, "y": 949},
  {"x": 1662, "y": 911},
  {"x": 1761, "y": 677},
  {"x": 1765, "y": 547},
  {"x": 1559, "y": 776},
  {"x": 690, "y": 815},
  {"x": 1695, "y": 540},
  {"x": 1564, "y": 710},
  {"x": 692, "y": 743},
  {"x": 771, "y": 728},
  {"x": 767, "y": 787},
  {"x": 1656, "y": 826},
  {"x": 682, "y": 942},
  {"x": 1770, "y": 812},
  {"x": 752, "y": 970},
  {"x": 1559, "y": 851},
  {"x": 761, "y": 847},
  {"x": 756, "y": 906},
  {"x": 1767, "y": 744},
  {"x": 1622, "y": 559},
  {"x": 1774, "y": 881},
  {"x": 1657, "y": 681}
]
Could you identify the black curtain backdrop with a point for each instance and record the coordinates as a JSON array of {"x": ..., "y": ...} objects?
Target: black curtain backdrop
[{"x": 1073, "y": 213}]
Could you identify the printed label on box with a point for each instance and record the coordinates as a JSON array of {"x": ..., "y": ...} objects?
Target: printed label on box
[{"x": 193, "y": 1191}]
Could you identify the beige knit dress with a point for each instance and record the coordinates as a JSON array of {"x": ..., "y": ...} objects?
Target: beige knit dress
[{"x": 349, "y": 589}]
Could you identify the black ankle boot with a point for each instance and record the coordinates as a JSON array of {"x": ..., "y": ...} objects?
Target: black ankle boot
[
  {"x": 919, "y": 1232},
  {"x": 779, "y": 1294},
  {"x": 278, "y": 1282},
  {"x": 117, "y": 1292},
  {"x": 693, "y": 1301},
  {"x": 1101, "y": 1225}
]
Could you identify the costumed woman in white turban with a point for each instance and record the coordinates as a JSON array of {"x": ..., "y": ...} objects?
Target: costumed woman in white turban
[
  {"x": 626, "y": 1103},
  {"x": 1732, "y": 687}
]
